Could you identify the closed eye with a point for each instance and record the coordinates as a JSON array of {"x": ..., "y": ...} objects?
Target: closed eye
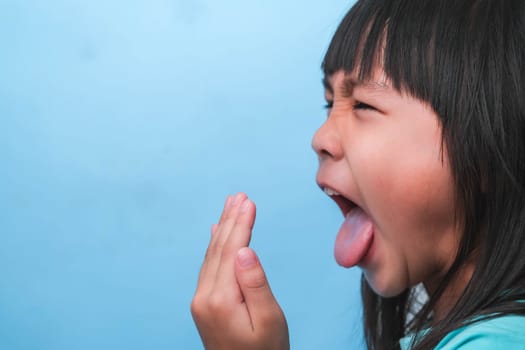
[{"x": 361, "y": 105}]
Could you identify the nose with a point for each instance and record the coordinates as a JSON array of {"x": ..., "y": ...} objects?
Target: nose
[{"x": 327, "y": 142}]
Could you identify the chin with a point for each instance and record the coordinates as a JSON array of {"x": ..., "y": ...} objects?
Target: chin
[{"x": 385, "y": 288}]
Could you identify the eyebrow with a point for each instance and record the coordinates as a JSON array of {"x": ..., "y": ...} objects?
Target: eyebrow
[{"x": 350, "y": 83}]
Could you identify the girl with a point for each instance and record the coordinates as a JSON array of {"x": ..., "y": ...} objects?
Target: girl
[{"x": 424, "y": 152}]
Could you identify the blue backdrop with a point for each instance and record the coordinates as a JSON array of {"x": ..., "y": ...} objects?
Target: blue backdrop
[{"x": 123, "y": 126}]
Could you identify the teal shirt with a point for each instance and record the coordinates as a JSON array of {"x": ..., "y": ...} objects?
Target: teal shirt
[{"x": 506, "y": 332}]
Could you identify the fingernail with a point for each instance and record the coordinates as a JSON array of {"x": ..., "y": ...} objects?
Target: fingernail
[
  {"x": 237, "y": 199},
  {"x": 228, "y": 201},
  {"x": 246, "y": 257},
  {"x": 245, "y": 205}
]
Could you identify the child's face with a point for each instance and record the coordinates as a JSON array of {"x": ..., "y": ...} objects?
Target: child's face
[{"x": 382, "y": 150}]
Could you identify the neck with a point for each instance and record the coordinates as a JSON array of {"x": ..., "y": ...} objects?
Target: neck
[{"x": 452, "y": 292}]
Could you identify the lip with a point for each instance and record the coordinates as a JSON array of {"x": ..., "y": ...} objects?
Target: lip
[{"x": 343, "y": 201}]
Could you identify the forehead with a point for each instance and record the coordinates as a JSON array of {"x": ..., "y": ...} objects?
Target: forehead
[{"x": 343, "y": 81}]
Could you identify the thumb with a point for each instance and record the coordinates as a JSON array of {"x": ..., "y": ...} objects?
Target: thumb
[{"x": 258, "y": 296}]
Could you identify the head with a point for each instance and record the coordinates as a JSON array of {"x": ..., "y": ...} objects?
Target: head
[{"x": 425, "y": 133}]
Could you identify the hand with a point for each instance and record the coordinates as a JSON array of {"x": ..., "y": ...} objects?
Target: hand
[{"x": 233, "y": 307}]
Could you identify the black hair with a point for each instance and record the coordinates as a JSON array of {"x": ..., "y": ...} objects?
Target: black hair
[{"x": 466, "y": 60}]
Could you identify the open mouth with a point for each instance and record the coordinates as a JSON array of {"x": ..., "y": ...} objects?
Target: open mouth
[
  {"x": 356, "y": 234},
  {"x": 345, "y": 204}
]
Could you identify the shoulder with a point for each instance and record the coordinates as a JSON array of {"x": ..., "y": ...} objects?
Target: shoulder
[{"x": 497, "y": 333}]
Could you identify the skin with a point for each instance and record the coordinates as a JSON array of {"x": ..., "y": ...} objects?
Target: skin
[
  {"x": 233, "y": 306},
  {"x": 382, "y": 150}
]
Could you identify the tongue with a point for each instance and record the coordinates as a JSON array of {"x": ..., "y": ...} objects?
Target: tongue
[{"x": 354, "y": 238}]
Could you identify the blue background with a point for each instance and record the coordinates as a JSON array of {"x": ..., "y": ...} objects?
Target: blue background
[{"x": 123, "y": 126}]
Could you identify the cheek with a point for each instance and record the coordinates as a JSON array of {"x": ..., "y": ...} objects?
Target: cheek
[
  {"x": 409, "y": 193},
  {"x": 405, "y": 178},
  {"x": 412, "y": 207},
  {"x": 414, "y": 195}
]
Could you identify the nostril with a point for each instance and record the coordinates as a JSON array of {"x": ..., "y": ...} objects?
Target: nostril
[
  {"x": 320, "y": 148},
  {"x": 324, "y": 153}
]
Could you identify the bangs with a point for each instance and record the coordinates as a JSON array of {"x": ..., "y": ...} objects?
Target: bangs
[{"x": 401, "y": 38}]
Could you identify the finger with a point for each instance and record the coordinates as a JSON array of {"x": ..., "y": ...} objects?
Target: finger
[
  {"x": 227, "y": 205},
  {"x": 204, "y": 266},
  {"x": 228, "y": 219},
  {"x": 241, "y": 231},
  {"x": 260, "y": 301},
  {"x": 206, "y": 279},
  {"x": 239, "y": 237},
  {"x": 214, "y": 229},
  {"x": 222, "y": 231},
  {"x": 225, "y": 211}
]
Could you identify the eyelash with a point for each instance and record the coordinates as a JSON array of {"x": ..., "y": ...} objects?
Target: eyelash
[
  {"x": 361, "y": 105},
  {"x": 356, "y": 105}
]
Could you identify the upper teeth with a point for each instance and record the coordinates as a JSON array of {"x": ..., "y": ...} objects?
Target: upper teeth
[{"x": 331, "y": 192}]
